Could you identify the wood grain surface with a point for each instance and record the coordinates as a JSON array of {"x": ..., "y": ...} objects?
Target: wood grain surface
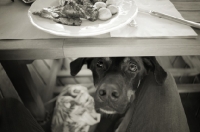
[
  {"x": 130, "y": 47},
  {"x": 31, "y": 49}
]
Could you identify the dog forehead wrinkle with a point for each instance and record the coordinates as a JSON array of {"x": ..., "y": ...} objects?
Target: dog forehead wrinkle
[
  {"x": 126, "y": 59},
  {"x": 112, "y": 83},
  {"x": 136, "y": 59},
  {"x": 107, "y": 58}
]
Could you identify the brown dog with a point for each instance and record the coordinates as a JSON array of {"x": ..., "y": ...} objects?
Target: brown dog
[{"x": 116, "y": 79}]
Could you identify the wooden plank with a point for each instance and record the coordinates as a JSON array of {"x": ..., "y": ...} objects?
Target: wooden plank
[
  {"x": 180, "y": 63},
  {"x": 164, "y": 61},
  {"x": 191, "y": 15},
  {"x": 51, "y": 84},
  {"x": 192, "y": 61},
  {"x": 6, "y": 87},
  {"x": 66, "y": 63},
  {"x": 187, "y": 6},
  {"x": 188, "y": 61},
  {"x": 40, "y": 86},
  {"x": 82, "y": 47},
  {"x": 48, "y": 63},
  {"x": 178, "y": 72},
  {"x": 134, "y": 47},
  {"x": 42, "y": 70},
  {"x": 31, "y": 49},
  {"x": 188, "y": 88},
  {"x": 20, "y": 77}
]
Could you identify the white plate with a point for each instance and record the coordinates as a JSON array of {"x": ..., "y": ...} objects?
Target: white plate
[
  {"x": 127, "y": 11},
  {"x": 28, "y": 1}
]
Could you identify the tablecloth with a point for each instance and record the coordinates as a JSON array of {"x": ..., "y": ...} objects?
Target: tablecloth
[{"x": 149, "y": 26}]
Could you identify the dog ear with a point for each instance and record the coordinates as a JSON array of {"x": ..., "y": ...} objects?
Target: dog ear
[
  {"x": 151, "y": 64},
  {"x": 76, "y": 65}
]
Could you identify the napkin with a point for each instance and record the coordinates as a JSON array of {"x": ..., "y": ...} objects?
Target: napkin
[
  {"x": 153, "y": 27},
  {"x": 74, "y": 111}
]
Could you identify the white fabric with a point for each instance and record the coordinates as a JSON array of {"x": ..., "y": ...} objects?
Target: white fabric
[
  {"x": 149, "y": 26},
  {"x": 74, "y": 111}
]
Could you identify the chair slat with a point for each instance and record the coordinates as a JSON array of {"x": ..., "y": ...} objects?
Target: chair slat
[
  {"x": 177, "y": 72},
  {"x": 188, "y": 88}
]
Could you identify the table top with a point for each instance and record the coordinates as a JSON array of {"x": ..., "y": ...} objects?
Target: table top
[{"x": 25, "y": 49}]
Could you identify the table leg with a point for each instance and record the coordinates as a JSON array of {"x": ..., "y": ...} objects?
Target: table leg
[{"x": 21, "y": 79}]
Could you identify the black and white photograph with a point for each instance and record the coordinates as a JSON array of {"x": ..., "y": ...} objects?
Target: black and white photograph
[{"x": 99, "y": 65}]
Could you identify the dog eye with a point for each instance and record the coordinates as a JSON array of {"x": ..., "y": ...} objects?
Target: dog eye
[
  {"x": 132, "y": 67},
  {"x": 100, "y": 64}
]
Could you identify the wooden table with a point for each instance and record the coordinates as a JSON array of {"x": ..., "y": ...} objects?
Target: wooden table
[
  {"x": 13, "y": 52},
  {"x": 87, "y": 47}
]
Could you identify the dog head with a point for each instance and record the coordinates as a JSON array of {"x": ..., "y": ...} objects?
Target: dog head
[{"x": 117, "y": 79}]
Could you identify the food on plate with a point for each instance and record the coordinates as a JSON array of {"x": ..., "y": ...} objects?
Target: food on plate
[
  {"x": 87, "y": 11},
  {"x": 113, "y": 9},
  {"x": 54, "y": 13},
  {"x": 99, "y": 5},
  {"x": 27, "y": 1},
  {"x": 70, "y": 12},
  {"x": 62, "y": 2},
  {"x": 104, "y": 14},
  {"x": 94, "y": 1}
]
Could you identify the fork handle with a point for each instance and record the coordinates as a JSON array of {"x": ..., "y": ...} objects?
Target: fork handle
[{"x": 179, "y": 20}]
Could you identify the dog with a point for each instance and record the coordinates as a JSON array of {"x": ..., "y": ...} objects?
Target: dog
[{"x": 116, "y": 79}]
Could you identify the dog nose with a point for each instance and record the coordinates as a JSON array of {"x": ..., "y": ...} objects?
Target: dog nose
[
  {"x": 115, "y": 95},
  {"x": 102, "y": 94},
  {"x": 111, "y": 93}
]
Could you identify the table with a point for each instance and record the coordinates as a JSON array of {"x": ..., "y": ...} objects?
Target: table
[{"x": 14, "y": 52}]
